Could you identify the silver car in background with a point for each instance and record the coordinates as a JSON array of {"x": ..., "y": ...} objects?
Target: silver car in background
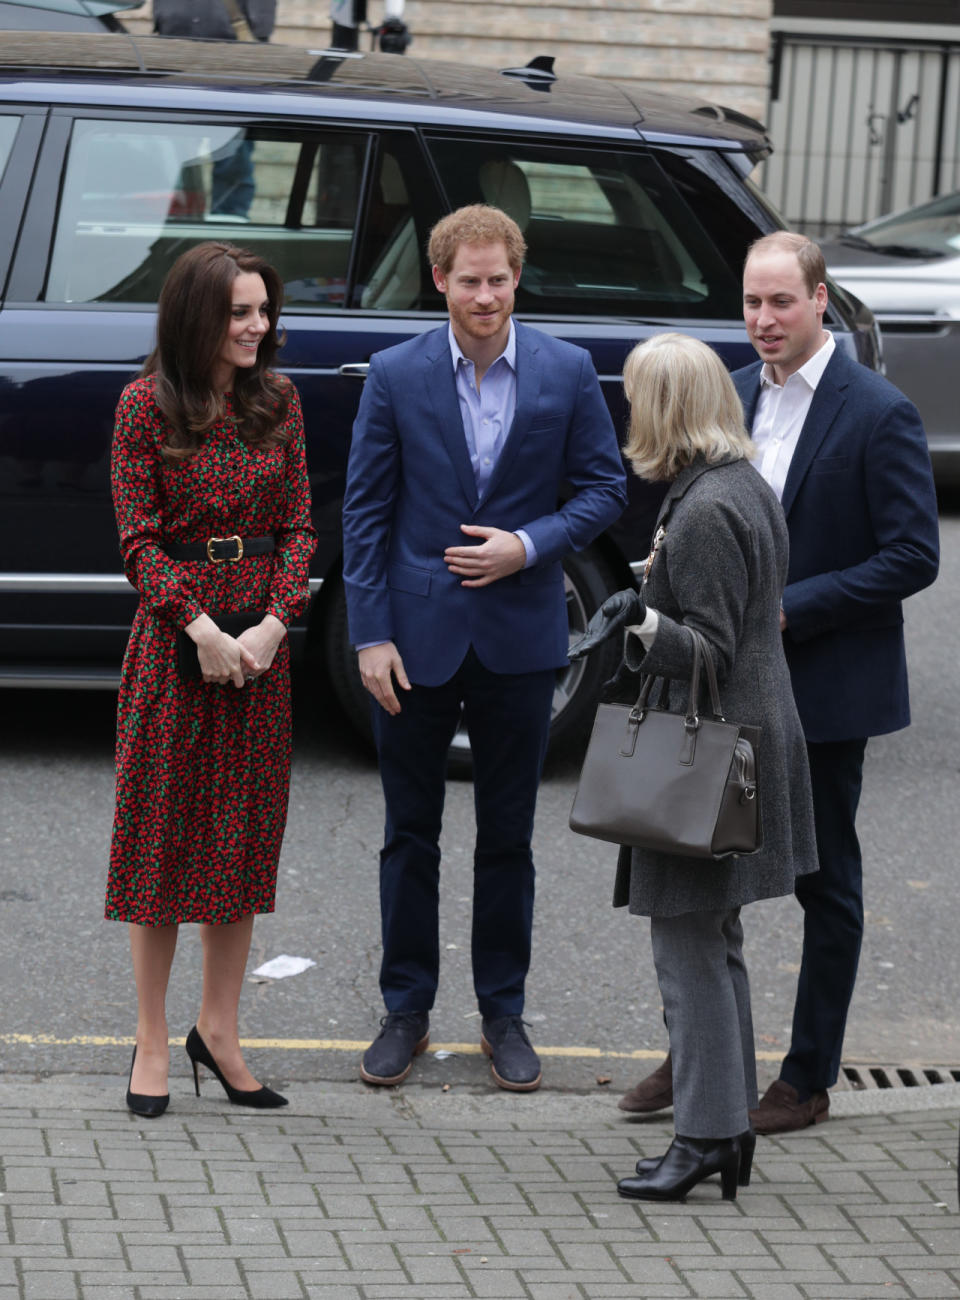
[{"x": 906, "y": 268}]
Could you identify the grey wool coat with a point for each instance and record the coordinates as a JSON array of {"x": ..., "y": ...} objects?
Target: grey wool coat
[{"x": 720, "y": 569}]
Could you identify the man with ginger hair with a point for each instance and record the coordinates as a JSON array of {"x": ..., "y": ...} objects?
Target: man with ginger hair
[
  {"x": 846, "y": 454},
  {"x": 454, "y": 534}
]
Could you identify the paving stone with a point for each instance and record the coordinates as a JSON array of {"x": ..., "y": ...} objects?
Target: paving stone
[
  {"x": 190, "y": 1293},
  {"x": 274, "y": 1286},
  {"x": 930, "y": 1284},
  {"x": 50, "y": 1286},
  {"x": 27, "y": 1178},
  {"x": 213, "y": 1272},
  {"x": 495, "y": 1283},
  {"x": 432, "y": 1271},
  {"x": 317, "y": 1242},
  {"x": 715, "y": 1282},
  {"x": 333, "y": 1292},
  {"x": 28, "y": 1232},
  {"x": 521, "y": 1242},
  {"x": 94, "y": 1245}
]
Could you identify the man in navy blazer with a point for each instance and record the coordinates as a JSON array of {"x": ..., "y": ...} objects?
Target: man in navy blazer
[
  {"x": 846, "y": 453},
  {"x": 482, "y": 453}
]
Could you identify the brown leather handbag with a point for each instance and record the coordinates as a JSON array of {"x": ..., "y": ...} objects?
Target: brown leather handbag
[{"x": 672, "y": 782}]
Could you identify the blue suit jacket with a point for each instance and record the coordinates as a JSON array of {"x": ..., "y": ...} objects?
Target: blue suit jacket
[
  {"x": 410, "y": 486},
  {"x": 862, "y": 517}
]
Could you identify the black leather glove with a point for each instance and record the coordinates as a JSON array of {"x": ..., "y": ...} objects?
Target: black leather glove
[{"x": 616, "y": 612}]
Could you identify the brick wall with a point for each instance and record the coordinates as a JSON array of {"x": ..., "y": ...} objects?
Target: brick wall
[{"x": 714, "y": 49}]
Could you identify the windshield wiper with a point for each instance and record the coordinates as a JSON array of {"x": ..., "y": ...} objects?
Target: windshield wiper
[
  {"x": 908, "y": 250},
  {"x": 890, "y": 250}
]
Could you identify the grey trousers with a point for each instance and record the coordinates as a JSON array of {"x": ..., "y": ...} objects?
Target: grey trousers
[{"x": 706, "y": 1004}]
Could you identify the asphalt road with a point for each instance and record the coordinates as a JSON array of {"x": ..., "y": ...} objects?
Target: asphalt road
[{"x": 592, "y": 995}]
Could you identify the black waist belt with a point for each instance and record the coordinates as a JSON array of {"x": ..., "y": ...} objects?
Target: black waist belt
[{"x": 219, "y": 550}]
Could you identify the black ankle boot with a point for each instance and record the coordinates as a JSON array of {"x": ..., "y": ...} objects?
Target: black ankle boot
[
  {"x": 688, "y": 1161},
  {"x": 748, "y": 1144}
]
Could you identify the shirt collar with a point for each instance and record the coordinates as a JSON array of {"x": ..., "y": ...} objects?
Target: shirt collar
[
  {"x": 811, "y": 372},
  {"x": 509, "y": 353}
]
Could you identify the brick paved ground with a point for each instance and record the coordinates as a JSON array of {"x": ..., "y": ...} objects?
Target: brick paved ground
[{"x": 360, "y": 1195}]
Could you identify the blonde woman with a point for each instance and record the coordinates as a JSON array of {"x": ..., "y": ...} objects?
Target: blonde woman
[{"x": 718, "y": 566}]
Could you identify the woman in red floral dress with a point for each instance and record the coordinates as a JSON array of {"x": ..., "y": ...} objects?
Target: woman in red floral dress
[{"x": 208, "y": 445}]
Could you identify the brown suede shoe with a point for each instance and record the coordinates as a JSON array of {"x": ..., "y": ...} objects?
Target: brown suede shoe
[
  {"x": 655, "y": 1092},
  {"x": 780, "y": 1111}
]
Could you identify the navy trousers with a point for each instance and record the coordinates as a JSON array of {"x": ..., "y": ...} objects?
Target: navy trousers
[
  {"x": 832, "y": 902},
  {"x": 507, "y": 718}
]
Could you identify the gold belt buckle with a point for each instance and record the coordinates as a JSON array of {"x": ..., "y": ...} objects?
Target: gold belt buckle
[{"x": 229, "y": 559}]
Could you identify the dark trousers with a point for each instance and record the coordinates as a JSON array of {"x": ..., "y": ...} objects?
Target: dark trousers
[
  {"x": 832, "y": 902},
  {"x": 507, "y": 717}
]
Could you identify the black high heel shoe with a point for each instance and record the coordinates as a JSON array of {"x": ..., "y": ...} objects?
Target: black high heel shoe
[
  {"x": 258, "y": 1098},
  {"x": 688, "y": 1161},
  {"x": 748, "y": 1144},
  {"x": 140, "y": 1103}
]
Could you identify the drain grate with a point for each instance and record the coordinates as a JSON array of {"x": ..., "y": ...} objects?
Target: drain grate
[{"x": 861, "y": 1077}]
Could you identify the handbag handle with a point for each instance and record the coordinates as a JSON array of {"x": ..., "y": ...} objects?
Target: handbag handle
[
  {"x": 701, "y": 654},
  {"x": 700, "y": 642}
]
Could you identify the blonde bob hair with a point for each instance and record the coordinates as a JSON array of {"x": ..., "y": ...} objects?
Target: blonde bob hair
[{"x": 682, "y": 404}]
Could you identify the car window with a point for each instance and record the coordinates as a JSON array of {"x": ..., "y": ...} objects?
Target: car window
[
  {"x": 137, "y": 194},
  {"x": 932, "y": 227},
  {"x": 401, "y": 206},
  {"x": 8, "y": 131},
  {"x": 606, "y": 231}
]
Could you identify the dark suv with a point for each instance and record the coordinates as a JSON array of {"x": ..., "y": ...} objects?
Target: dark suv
[{"x": 117, "y": 154}]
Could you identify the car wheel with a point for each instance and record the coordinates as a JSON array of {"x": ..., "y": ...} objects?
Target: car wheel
[{"x": 588, "y": 579}]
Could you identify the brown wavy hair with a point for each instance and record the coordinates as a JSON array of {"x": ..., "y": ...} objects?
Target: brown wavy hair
[{"x": 192, "y": 322}]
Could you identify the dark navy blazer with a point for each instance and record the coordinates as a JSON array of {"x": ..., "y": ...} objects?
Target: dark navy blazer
[
  {"x": 410, "y": 486},
  {"x": 862, "y": 517}
]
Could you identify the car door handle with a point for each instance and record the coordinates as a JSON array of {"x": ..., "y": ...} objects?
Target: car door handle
[{"x": 354, "y": 370}]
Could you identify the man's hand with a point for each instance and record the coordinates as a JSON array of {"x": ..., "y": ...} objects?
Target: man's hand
[
  {"x": 501, "y": 554},
  {"x": 379, "y": 664},
  {"x": 617, "y": 611}
]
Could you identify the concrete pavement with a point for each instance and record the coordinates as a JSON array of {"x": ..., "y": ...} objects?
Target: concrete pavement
[{"x": 360, "y": 1194}]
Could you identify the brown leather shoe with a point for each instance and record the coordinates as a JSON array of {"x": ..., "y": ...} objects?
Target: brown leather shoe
[
  {"x": 781, "y": 1111},
  {"x": 655, "y": 1092}
]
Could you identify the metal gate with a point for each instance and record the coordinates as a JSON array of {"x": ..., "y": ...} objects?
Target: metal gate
[{"x": 861, "y": 126}]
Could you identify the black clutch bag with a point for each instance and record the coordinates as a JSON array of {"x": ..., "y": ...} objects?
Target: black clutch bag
[{"x": 188, "y": 662}]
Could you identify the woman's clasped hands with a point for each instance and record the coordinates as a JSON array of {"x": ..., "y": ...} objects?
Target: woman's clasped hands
[{"x": 225, "y": 659}]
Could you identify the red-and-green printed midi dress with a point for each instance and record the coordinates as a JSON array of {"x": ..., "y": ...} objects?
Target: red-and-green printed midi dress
[{"x": 202, "y": 770}]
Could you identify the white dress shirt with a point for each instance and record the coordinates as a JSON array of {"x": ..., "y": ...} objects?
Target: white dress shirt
[{"x": 781, "y": 411}]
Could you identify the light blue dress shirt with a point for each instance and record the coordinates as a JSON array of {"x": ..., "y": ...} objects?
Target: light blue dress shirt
[{"x": 487, "y": 411}]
